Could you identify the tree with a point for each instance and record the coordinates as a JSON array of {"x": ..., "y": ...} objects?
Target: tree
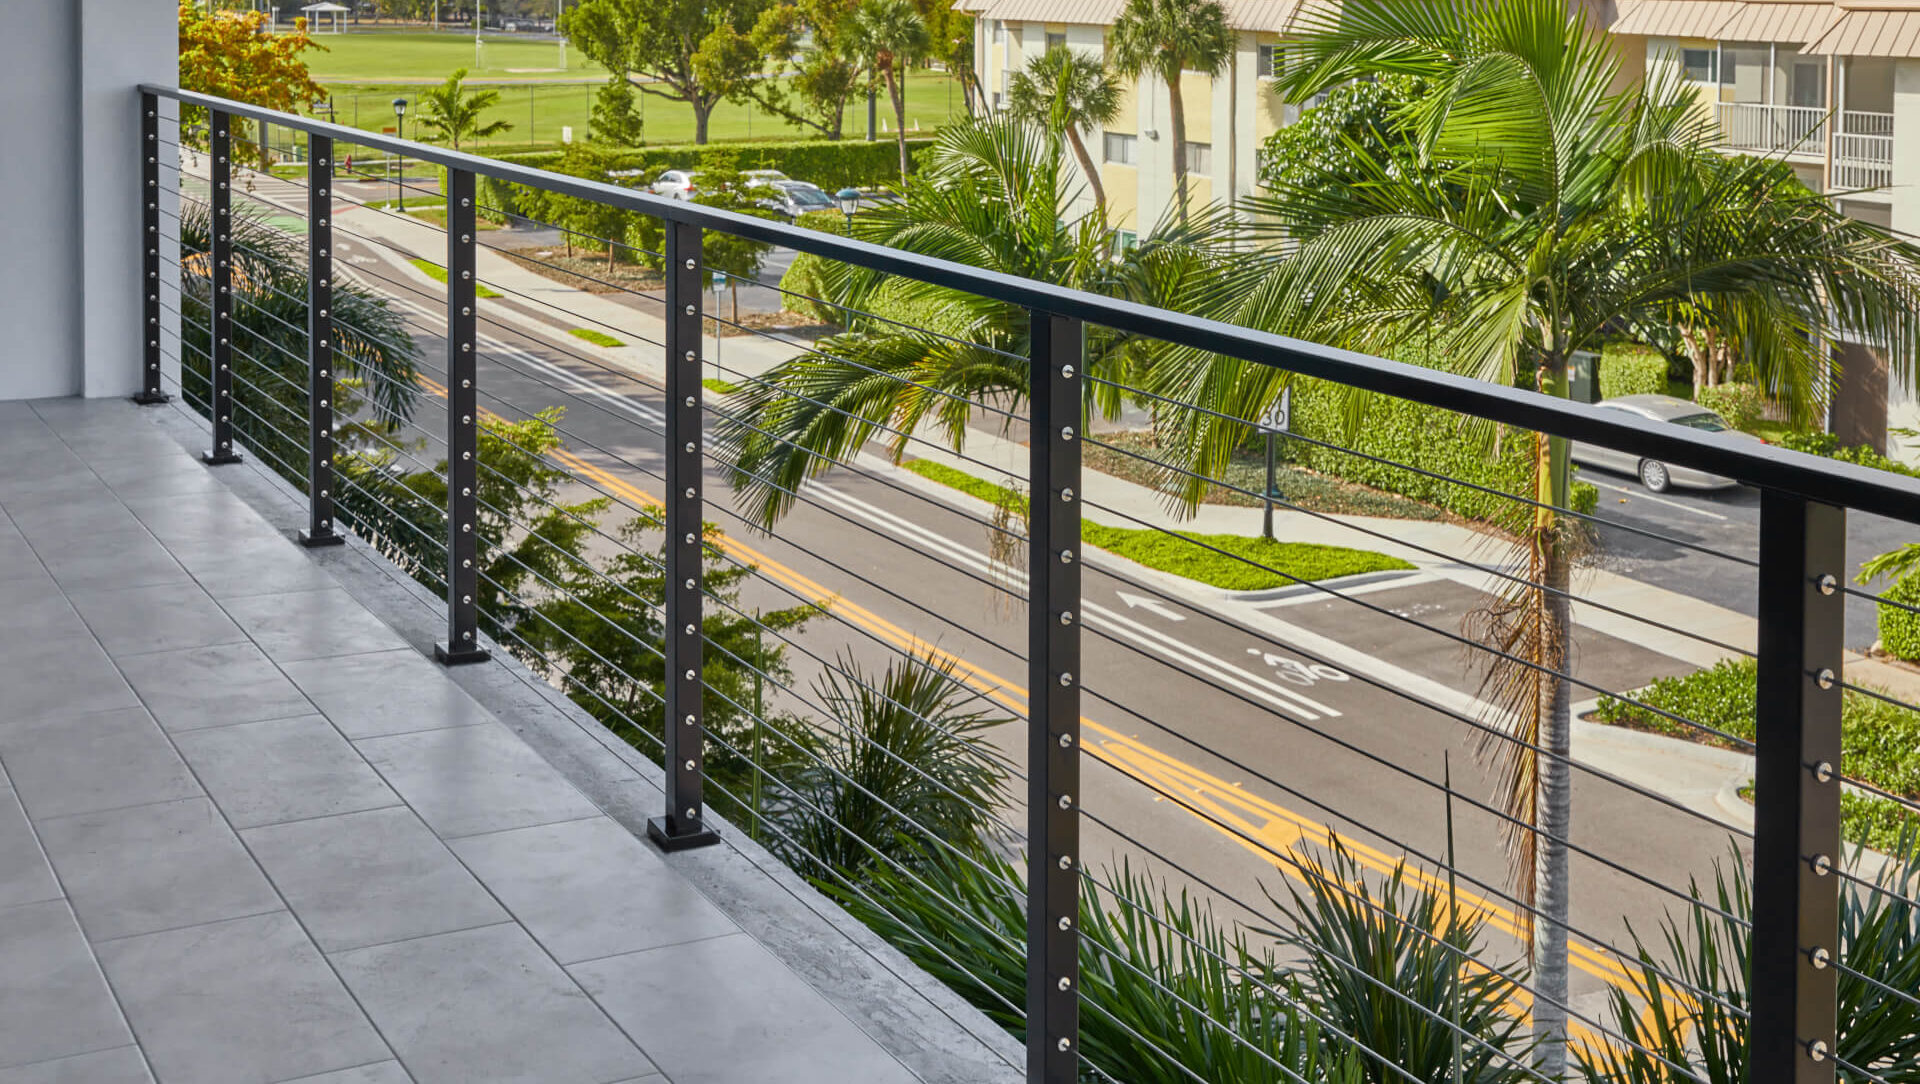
[
  {"x": 614, "y": 119},
  {"x": 892, "y": 36},
  {"x": 683, "y": 50},
  {"x": 1340, "y": 141},
  {"x": 453, "y": 113},
  {"x": 1066, "y": 93},
  {"x": 734, "y": 257},
  {"x": 229, "y": 54},
  {"x": 807, "y": 86},
  {"x": 1569, "y": 208},
  {"x": 1166, "y": 38}
]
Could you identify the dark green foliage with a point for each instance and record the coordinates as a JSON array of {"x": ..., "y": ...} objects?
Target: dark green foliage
[
  {"x": 1391, "y": 972},
  {"x": 1432, "y": 439},
  {"x": 1344, "y": 139},
  {"x": 1171, "y": 994},
  {"x": 1739, "y": 404},
  {"x": 1880, "y": 741},
  {"x": 374, "y": 350},
  {"x": 902, "y": 758},
  {"x": 1705, "y": 1034},
  {"x": 615, "y": 120},
  {"x": 1815, "y": 443},
  {"x": 1900, "y": 627},
  {"x": 1630, "y": 368}
]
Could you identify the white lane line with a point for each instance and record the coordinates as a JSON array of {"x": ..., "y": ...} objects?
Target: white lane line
[
  {"x": 1152, "y": 640},
  {"x": 1645, "y": 496}
]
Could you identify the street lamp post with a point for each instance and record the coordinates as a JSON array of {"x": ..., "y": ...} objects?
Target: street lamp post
[
  {"x": 400, "y": 164},
  {"x": 849, "y": 199}
]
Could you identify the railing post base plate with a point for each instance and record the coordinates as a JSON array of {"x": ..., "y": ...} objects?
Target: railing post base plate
[
  {"x": 318, "y": 541},
  {"x": 451, "y": 656},
  {"x": 154, "y": 398},
  {"x": 663, "y": 837},
  {"x": 219, "y": 459}
]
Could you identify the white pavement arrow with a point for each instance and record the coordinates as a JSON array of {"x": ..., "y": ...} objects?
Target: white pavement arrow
[{"x": 1152, "y": 606}]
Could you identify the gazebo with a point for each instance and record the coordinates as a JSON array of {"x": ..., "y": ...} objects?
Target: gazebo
[{"x": 325, "y": 7}]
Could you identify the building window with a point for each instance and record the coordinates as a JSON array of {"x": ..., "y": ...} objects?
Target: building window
[
  {"x": 999, "y": 33},
  {"x": 1700, "y": 65},
  {"x": 1200, "y": 159},
  {"x": 1125, "y": 241},
  {"x": 1120, "y": 149},
  {"x": 997, "y": 100},
  {"x": 1056, "y": 41},
  {"x": 1267, "y": 63}
]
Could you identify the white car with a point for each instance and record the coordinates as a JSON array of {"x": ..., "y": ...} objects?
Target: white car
[
  {"x": 676, "y": 184},
  {"x": 760, "y": 178},
  {"x": 1658, "y": 477},
  {"x": 796, "y": 198}
]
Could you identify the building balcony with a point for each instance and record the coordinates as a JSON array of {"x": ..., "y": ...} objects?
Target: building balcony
[{"x": 1862, "y": 146}]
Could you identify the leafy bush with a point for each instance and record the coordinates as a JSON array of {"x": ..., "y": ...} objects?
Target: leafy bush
[
  {"x": 1630, "y": 368},
  {"x": 1880, "y": 742},
  {"x": 1407, "y": 432},
  {"x": 1899, "y": 627},
  {"x": 1739, "y": 404},
  {"x": 1864, "y": 455},
  {"x": 1694, "y": 1027}
]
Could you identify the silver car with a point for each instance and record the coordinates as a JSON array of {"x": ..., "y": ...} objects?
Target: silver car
[{"x": 1658, "y": 477}]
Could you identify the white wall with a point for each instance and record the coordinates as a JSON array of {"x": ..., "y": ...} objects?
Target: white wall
[
  {"x": 70, "y": 191},
  {"x": 1903, "y": 396}
]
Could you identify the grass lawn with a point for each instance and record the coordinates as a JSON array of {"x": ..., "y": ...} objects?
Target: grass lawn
[
  {"x": 371, "y": 56},
  {"x": 537, "y": 112},
  {"x": 1218, "y": 560},
  {"x": 597, "y": 338},
  {"x": 439, "y": 274}
]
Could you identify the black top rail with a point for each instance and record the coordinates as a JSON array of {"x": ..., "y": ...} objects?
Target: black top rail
[{"x": 1809, "y": 476}]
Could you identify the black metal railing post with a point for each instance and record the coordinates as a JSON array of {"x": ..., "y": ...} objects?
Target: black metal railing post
[
  {"x": 1053, "y": 704},
  {"x": 684, "y": 826},
  {"x": 1796, "y": 833},
  {"x": 320, "y": 383},
  {"x": 220, "y": 238},
  {"x": 150, "y": 392},
  {"x": 463, "y": 428}
]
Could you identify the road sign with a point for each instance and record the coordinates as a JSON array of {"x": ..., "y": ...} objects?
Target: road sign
[{"x": 1279, "y": 417}]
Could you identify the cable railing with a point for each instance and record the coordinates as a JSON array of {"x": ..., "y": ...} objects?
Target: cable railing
[{"x": 1167, "y": 798}]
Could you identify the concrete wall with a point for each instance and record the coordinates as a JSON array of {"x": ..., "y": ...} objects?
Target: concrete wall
[{"x": 70, "y": 186}]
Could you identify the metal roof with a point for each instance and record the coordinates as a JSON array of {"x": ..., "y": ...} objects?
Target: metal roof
[
  {"x": 1771, "y": 20},
  {"x": 1677, "y": 18},
  {"x": 1272, "y": 16},
  {"x": 1872, "y": 29},
  {"x": 1078, "y": 12}
]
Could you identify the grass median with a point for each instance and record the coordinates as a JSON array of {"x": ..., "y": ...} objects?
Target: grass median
[
  {"x": 1227, "y": 561},
  {"x": 439, "y": 274}
]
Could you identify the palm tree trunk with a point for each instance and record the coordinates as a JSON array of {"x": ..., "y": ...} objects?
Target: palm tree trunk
[
  {"x": 897, "y": 90},
  {"x": 1552, "y": 891},
  {"x": 1093, "y": 175},
  {"x": 1177, "y": 114}
]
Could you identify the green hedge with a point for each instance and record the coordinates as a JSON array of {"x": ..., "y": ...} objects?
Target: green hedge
[
  {"x": 1431, "y": 438},
  {"x": 1900, "y": 628},
  {"x": 1880, "y": 742},
  {"x": 1739, "y": 404},
  {"x": 831, "y": 164},
  {"x": 1630, "y": 368}
]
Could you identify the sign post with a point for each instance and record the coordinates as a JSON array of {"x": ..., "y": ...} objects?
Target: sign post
[{"x": 1277, "y": 421}]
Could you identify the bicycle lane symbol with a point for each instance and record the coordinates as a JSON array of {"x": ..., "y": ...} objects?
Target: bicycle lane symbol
[{"x": 1295, "y": 672}]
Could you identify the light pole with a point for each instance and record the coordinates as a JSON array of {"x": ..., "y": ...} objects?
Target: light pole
[
  {"x": 400, "y": 164},
  {"x": 849, "y": 200},
  {"x": 477, "y": 5}
]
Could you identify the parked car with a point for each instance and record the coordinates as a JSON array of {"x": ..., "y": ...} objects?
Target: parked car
[
  {"x": 755, "y": 178},
  {"x": 1658, "y": 477},
  {"x": 676, "y": 183},
  {"x": 796, "y": 198}
]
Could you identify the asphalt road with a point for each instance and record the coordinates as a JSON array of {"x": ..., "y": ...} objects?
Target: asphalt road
[{"x": 1213, "y": 745}]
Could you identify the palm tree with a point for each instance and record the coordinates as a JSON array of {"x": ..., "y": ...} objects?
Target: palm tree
[
  {"x": 1564, "y": 208},
  {"x": 1167, "y": 37},
  {"x": 891, "y": 35},
  {"x": 1066, "y": 93},
  {"x": 453, "y": 114}
]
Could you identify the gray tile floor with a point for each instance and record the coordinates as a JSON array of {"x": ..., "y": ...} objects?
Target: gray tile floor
[{"x": 248, "y": 833}]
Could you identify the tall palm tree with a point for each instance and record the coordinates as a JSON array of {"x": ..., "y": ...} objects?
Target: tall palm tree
[
  {"x": 1564, "y": 208},
  {"x": 452, "y": 113},
  {"x": 1067, "y": 93},
  {"x": 1167, "y": 37},
  {"x": 892, "y": 36}
]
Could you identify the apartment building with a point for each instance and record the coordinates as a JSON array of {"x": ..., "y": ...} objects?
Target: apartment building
[{"x": 1834, "y": 88}]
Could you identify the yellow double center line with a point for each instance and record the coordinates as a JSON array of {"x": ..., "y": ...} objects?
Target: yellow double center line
[{"x": 1269, "y": 830}]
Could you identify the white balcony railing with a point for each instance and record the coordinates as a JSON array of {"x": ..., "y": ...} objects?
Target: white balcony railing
[{"x": 1862, "y": 148}]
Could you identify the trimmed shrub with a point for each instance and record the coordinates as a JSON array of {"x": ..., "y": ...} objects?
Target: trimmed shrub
[
  {"x": 1900, "y": 628},
  {"x": 1739, "y": 404},
  {"x": 1630, "y": 368}
]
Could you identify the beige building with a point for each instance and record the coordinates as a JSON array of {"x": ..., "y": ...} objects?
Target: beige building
[{"x": 1834, "y": 88}]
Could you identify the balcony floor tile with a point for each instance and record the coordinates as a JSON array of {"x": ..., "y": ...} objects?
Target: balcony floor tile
[
  {"x": 387, "y": 692},
  {"x": 474, "y": 779},
  {"x": 62, "y": 764},
  {"x": 57, "y": 1001},
  {"x": 121, "y": 1065},
  {"x": 213, "y": 686},
  {"x": 165, "y": 617},
  {"x": 312, "y": 625},
  {"x": 282, "y": 770}
]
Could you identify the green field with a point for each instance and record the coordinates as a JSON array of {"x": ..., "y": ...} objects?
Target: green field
[
  {"x": 363, "y": 56},
  {"x": 364, "y": 71}
]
